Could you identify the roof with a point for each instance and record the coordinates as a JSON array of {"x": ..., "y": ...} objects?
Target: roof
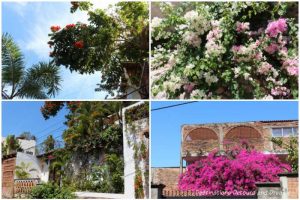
[
  {"x": 260, "y": 121},
  {"x": 12, "y": 155}
]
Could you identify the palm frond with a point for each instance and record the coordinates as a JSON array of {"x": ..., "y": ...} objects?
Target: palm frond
[
  {"x": 42, "y": 80},
  {"x": 12, "y": 63}
]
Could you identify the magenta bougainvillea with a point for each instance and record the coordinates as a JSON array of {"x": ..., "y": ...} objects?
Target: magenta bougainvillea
[{"x": 238, "y": 170}]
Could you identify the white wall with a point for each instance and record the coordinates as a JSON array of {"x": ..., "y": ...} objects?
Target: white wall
[
  {"x": 41, "y": 168},
  {"x": 28, "y": 145},
  {"x": 131, "y": 135}
]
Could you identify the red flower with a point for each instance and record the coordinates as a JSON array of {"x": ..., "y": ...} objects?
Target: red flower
[
  {"x": 55, "y": 28},
  {"x": 70, "y": 26},
  {"x": 79, "y": 44},
  {"x": 50, "y": 157}
]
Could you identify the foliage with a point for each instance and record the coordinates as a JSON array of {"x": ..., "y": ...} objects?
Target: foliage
[
  {"x": 111, "y": 138},
  {"x": 58, "y": 164},
  {"x": 40, "y": 81},
  {"x": 238, "y": 170},
  {"x": 108, "y": 177},
  {"x": 86, "y": 126},
  {"x": 10, "y": 145},
  {"x": 23, "y": 170},
  {"x": 92, "y": 130},
  {"x": 51, "y": 108},
  {"x": 105, "y": 43},
  {"x": 49, "y": 144},
  {"x": 27, "y": 136},
  {"x": 225, "y": 50},
  {"x": 51, "y": 191},
  {"x": 137, "y": 113},
  {"x": 138, "y": 185},
  {"x": 140, "y": 148},
  {"x": 292, "y": 148}
]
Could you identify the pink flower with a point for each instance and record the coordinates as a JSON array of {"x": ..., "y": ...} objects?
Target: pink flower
[
  {"x": 236, "y": 48},
  {"x": 189, "y": 87},
  {"x": 242, "y": 27},
  {"x": 280, "y": 91},
  {"x": 276, "y": 27},
  {"x": 272, "y": 48},
  {"x": 231, "y": 173},
  {"x": 291, "y": 66}
]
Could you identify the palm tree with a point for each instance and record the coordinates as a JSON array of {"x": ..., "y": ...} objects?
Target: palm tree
[
  {"x": 40, "y": 81},
  {"x": 23, "y": 170},
  {"x": 10, "y": 145}
]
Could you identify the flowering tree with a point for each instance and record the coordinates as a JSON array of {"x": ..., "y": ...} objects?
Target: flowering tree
[
  {"x": 225, "y": 50},
  {"x": 238, "y": 170},
  {"x": 106, "y": 44}
]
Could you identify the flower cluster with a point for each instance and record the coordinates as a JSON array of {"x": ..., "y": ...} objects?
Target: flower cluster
[
  {"x": 199, "y": 54},
  {"x": 69, "y": 26},
  {"x": 55, "y": 28},
  {"x": 79, "y": 44},
  {"x": 238, "y": 170}
]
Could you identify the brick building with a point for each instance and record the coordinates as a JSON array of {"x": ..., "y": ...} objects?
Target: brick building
[
  {"x": 197, "y": 140},
  {"x": 200, "y": 139}
]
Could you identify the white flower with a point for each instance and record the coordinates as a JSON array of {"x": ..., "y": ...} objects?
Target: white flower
[
  {"x": 161, "y": 95},
  {"x": 246, "y": 76},
  {"x": 199, "y": 94},
  {"x": 156, "y": 22},
  {"x": 190, "y": 66},
  {"x": 210, "y": 78},
  {"x": 268, "y": 97},
  {"x": 191, "y": 15},
  {"x": 192, "y": 38}
]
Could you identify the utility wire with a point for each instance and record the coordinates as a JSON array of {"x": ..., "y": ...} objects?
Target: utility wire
[
  {"x": 171, "y": 106},
  {"x": 49, "y": 133}
]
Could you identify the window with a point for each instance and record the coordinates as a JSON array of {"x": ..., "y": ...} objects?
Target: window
[{"x": 285, "y": 132}]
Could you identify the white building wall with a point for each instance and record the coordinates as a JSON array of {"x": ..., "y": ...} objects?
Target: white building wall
[
  {"x": 41, "y": 168},
  {"x": 130, "y": 136},
  {"x": 28, "y": 145}
]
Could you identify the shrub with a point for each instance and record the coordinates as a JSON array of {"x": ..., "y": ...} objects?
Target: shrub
[
  {"x": 225, "y": 50},
  {"x": 51, "y": 191},
  {"x": 237, "y": 170}
]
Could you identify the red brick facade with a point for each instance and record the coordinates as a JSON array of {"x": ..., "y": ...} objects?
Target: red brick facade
[
  {"x": 167, "y": 176},
  {"x": 8, "y": 168},
  {"x": 293, "y": 188}
]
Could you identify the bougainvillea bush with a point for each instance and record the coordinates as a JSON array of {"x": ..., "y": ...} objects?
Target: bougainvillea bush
[
  {"x": 238, "y": 170},
  {"x": 240, "y": 50}
]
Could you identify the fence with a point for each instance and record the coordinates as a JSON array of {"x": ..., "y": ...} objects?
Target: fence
[
  {"x": 176, "y": 194},
  {"x": 22, "y": 187}
]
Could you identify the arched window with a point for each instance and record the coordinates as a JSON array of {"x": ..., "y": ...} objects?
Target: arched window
[
  {"x": 243, "y": 132},
  {"x": 201, "y": 134}
]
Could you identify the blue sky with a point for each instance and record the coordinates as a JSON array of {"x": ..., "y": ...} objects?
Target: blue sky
[
  {"x": 23, "y": 116},
  {"x": 166, "y": 123},
  {"x": 29, "y": 24}
]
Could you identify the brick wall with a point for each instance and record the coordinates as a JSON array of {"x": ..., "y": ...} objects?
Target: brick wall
[
  {"x": 258, "y": 134},
  {"x": 293, "y": 187},
  {"x": 8, "y": 167},
  {"x": 166, "y": 176}
]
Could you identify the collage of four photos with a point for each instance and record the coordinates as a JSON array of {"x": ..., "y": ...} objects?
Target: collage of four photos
[{"x": 149, "y": 99}]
